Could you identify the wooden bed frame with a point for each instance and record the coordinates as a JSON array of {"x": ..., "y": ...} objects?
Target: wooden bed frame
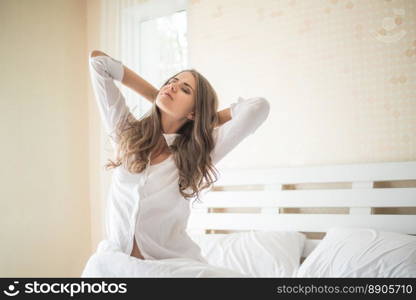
[{"x": 381, "y": 196}]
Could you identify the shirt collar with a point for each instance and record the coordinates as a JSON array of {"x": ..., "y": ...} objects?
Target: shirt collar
[{"x": 170, "y": 137}]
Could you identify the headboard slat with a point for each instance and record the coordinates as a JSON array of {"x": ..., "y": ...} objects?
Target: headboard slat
[
  {"x": 311, "y": 174},
  {"x": 300, "y": 222},
  {"x": 394, "y": 197}
]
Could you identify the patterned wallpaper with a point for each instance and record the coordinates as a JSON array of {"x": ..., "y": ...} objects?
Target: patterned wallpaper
[{"x": 340, "y": 76}]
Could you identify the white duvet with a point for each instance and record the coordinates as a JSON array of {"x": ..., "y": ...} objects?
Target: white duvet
[{"x": 109, "y": 261}]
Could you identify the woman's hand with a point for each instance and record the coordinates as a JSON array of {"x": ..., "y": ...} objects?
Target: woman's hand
[{"x": 97, "y": 53}]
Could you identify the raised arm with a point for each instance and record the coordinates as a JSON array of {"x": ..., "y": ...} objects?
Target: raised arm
[
  {"x": 223, "y": 116},
  {"x": 241, "y": 119},
  {"x": 139, "y": 85},
  {"x": 134, "y": 81},
  {"x": 104, "y": 71}
]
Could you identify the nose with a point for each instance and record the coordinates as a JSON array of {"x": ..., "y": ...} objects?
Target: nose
[{"x": 170, "y": 85}]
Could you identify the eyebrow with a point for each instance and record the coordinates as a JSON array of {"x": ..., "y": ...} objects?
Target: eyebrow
[{"x": 183, "y": 82}]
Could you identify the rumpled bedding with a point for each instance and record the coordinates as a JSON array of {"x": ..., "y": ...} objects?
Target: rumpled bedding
[{"x": 110, "y": 261}]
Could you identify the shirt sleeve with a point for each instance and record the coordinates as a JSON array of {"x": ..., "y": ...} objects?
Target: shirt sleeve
[
  {"x": 246, "y": 116},
  {"x": 104, "y": 70}
]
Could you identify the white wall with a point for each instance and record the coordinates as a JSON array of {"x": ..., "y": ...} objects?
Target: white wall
[
  {"x": 340, "y": 76},
  {"x": 44, "y": 200}
]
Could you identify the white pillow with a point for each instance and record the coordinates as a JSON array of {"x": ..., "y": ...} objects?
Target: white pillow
[
  {"x": 361, "y": 252},
  {"x": 254, "y": 253}
]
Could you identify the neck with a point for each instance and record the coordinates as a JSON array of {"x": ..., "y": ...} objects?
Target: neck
[{"x": 171, "y": 125}]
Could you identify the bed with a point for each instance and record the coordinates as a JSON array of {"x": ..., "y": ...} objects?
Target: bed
[{"x": 351, "y": 220}]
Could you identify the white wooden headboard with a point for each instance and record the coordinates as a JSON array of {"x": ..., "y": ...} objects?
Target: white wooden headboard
[{"x": 355, "y": 201}]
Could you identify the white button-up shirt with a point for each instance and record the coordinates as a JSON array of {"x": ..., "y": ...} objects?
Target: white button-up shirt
[{"x": 148, "y": 206}]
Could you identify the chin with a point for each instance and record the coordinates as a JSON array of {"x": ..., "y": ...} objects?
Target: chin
[{"x": 162, "y": 106}]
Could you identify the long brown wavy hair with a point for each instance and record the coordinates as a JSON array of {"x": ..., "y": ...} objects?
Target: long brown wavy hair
[{"x": 191, "y": 149}]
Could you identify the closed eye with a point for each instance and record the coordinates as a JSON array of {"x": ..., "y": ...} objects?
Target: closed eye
[{"x": 185, "y": 90}]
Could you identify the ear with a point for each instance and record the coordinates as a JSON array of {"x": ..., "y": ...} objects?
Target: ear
[{"x": 191, "y": 115}]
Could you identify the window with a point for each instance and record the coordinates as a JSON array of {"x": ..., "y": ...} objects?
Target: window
[{"x": 153, "y": 44}]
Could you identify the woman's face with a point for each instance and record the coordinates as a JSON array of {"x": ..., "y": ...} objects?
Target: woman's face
[{"x": 181, "y": 101}]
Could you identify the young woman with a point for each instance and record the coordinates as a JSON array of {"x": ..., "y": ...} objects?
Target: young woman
[{"x": 166, "y": 157}]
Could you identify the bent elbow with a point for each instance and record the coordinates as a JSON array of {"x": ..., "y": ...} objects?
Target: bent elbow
[
  {"x": 259, "y": 112},
  {"x": 94, "y": 53},
  {"x": 263, "y": 108}
]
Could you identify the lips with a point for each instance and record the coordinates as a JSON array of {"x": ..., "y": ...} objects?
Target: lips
[{"x": 165, "y": 93}]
